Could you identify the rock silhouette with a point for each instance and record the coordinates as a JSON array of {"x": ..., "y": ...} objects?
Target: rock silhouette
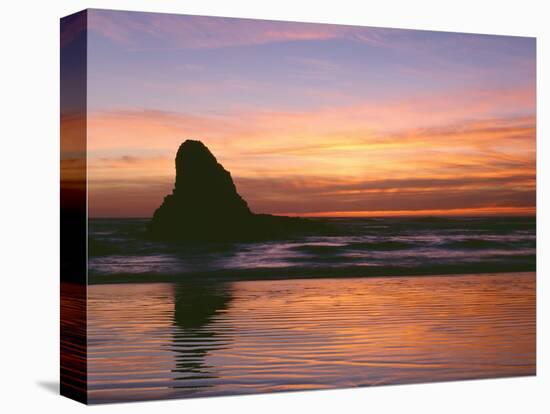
[{"x": 205, "y": 205}]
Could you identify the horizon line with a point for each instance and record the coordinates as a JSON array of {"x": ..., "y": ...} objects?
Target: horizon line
[{"x": 467, "y": 212}]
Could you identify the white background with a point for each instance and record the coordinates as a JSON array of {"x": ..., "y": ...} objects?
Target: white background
[{"x": 29, "y": 191}]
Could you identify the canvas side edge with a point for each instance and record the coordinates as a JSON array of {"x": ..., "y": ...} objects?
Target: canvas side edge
[{"x": 73, "y": 207}]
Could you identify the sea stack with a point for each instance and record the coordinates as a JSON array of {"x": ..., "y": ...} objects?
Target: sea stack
[{"x": 205, "y": 205}]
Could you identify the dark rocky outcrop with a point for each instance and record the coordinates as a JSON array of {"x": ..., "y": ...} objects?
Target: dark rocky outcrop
[{"x": 205, "y": 205}]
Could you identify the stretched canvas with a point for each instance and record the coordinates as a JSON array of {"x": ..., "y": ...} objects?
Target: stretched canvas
[{"x": 253, "y": 206}]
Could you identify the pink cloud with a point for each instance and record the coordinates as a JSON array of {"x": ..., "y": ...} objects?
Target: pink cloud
[{"x": 198, "y": 32}]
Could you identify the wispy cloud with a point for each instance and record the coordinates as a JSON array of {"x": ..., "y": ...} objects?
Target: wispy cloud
[
  {"x": 319, "y": 194},
  {"x": 309, "y": 163},
  {"x": 310, "y": 118},
  {"x": 197, "y": 32}
]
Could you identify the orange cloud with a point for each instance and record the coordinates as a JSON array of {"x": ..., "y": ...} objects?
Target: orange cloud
[
  {"x": 357, "y": 158},
  {"x": 479, "y": 211}
]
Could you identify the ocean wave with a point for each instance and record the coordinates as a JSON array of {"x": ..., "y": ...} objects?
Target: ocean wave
[{"x": 397, "y": 246}]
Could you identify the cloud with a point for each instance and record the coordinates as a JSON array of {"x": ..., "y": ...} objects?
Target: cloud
[
  {"x": 317, "y": 195},
  {"x": 320, "y": 194},
  {"x": 426, "y": 176},
  {"x": 471, "y": 211},
  {"x": 388, "y": 126},
  {"x": 137, "y": 30},
  {"x": 420, "y": 115},
  {"x": 352, "y": 158}
]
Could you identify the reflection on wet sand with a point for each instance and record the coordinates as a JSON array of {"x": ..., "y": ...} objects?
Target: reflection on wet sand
[
  {"x": 149, "y": 341},
  {"x": 196, "y": 304}
]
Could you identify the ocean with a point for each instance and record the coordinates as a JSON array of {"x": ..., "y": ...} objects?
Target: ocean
[
  {"x": 119, "y": 250},
  {"x": 374, "y": 301}
]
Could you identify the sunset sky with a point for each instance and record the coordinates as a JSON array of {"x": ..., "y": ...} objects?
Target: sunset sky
[{"x": 311, "y": 119}]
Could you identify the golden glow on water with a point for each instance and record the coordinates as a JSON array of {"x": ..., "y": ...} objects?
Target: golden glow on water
[{"x": 179, "y": 340}]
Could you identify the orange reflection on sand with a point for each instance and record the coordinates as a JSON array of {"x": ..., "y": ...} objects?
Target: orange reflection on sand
[
  {"x": 383, "y": 330},
  {"x": 217, "y": 338}
]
